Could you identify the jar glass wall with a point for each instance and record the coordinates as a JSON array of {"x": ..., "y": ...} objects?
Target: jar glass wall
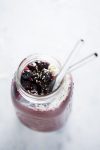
[{"x": 45, "y": 112}]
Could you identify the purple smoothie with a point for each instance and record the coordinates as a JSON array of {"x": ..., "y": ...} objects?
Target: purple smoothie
[{"x": 44, "y": 112}]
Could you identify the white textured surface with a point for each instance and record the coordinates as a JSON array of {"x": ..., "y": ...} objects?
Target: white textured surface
[{"x": 51, "y": 26}]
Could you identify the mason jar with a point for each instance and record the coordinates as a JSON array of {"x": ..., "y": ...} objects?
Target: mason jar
[{"x": 42, "y": 112}]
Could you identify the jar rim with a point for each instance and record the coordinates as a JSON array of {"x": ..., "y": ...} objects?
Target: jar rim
[{"x": 22, "y": 91}]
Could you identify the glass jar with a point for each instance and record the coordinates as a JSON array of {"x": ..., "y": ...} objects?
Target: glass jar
[{"x": 42, "y": 113}]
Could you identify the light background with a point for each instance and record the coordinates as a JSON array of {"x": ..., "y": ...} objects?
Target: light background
[{"x": 52, "y": 27}]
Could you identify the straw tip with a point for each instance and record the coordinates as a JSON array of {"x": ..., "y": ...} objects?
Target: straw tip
[
  {"x": 96, "y": 54},
  {"x": 82, "y": 40}
]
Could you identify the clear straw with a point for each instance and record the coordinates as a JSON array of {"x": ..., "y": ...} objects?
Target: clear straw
[
  {"x": 82, "y": 62},
  {"x": 67, "y": 63}
]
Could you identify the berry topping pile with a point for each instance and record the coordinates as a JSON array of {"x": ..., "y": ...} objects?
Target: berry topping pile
[{"x": 37, "y": 79}]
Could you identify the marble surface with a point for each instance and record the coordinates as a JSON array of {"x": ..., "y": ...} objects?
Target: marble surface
[{"x": 53, "y": 27}]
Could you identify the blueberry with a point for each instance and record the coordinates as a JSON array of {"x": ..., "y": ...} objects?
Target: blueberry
[
  {"x": 46, "y": 76},
  {"x": 26, "y": 85},
  {"x": 32, "y": 67},
  {"x": 39, "y": 89},
  {"x": 41, "y": 65},
  {"x": 45, "y": 65},
  {"x": 34, "y": 89},
  {"x": 45, "y": 92},
  {"x": 26, "y": 75},
  {"x": 35, "y": 76}
]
